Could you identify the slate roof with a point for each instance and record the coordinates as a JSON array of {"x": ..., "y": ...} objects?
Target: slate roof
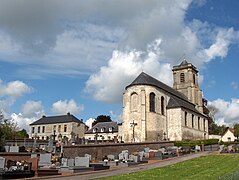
[
  {"x": 106, "y": 126},
  {"x": 57, "y": 119},
  {"x": 145, "y": 79},
  {"x": 177, "y": 99}
]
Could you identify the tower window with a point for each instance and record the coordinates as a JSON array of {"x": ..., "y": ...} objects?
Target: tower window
[
  {"x": 162, "y": 105},
  {"x": 192, "y": 121},
  {"x": 152, "y": 102},
  {"x": 182, "y": 77},
  {"x": 185, "y": 119},
  {"x": 133, "y": 102},
  {"x": 199, "y": 123},
  {"x": 194, "y": 79}
]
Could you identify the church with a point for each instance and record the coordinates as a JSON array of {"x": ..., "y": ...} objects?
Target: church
[{"x": 154, "y": 111}]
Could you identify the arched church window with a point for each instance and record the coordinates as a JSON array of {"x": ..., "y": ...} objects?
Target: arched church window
[
  {"x": 152, "y": 102},
  {"x": 182, "y": 77},
  {"x": 192, "y": 121},
  {"x": 133, "y": 101},
  {"x": 185, "y": 118},
  {"x": 162, "y": 105}
]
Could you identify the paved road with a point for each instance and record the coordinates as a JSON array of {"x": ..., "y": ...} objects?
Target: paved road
[{"x": 118, "y": 171}]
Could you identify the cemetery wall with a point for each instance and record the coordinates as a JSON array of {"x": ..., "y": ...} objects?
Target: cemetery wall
[
  {"x": 16, "y": 156},
  {"x": 98, "y": 151}
]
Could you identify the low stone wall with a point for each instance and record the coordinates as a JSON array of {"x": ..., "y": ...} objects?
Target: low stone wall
[
  {"x": 16, "y": 156},
  {"x": 98, "y": 151}
]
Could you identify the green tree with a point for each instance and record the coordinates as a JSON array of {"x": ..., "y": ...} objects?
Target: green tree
[
  {"x": 236, "y": 129},
  {"x": 101, "y": 118},
  {"x": 22, "y": 134}
]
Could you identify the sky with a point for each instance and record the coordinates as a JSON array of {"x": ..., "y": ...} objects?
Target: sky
[{"x": 77, "y": 56}]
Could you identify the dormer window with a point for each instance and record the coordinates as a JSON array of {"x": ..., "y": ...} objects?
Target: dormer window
[
  {"x": 111, "y": 129},
  {"x": 102, "y": 129},
  {"x": 95, "y": 130}
]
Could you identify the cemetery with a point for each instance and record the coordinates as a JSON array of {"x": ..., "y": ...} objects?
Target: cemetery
[{"x": 52, "y": 161}]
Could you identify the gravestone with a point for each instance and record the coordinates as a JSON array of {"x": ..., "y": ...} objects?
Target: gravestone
[
  {"x": 71, "y": 162},
  {"x": 221, "y": 148},
  {"x": 229, "y": 148},
  {"x": 146, "y": 155},
  {"x": 14, "y": 149},
  {"x": 162, "y": 150},
  {"x": 82, "y": 161},
  {"x": 141, "y": 155},
  {"x": 88, "y": 155},
  {"x": 134, "y": 158},
  {"x": 121, "y": 156},
  {"x": 2, "y": 163},
  {"x": 33, "y": 155},
  {"x": 158, "y": 155},
  {"x": 45, "y": 160},
  {"x": 7, "y": 148},
  {"x": 64, "y": 162},
  {"x": 197, "y": 148},
  {"x": 146, "y": 150},
  {"x": 111, "y": 157}
]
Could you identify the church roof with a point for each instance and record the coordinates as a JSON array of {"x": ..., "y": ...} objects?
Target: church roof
[
  {"x": 145, "y": 79},
  {"x": 175, "y": 102},
  {"x": 183, "y": 63},
  {"x": 177, "y": 99},
  {"x": 106, "y": 125},
  {"x": 57, "y": 119}
]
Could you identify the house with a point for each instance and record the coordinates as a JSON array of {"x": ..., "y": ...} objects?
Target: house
[
  {"x": 228, "y": 135},
  {"x": 61, "y": 127},
  {"x": 154, "y": 111},
  {"x": 103, "y": 131}
]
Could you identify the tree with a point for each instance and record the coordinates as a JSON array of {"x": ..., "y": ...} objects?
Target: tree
[
  {"x": 9, "y": 130},
  {"x": 236, "y": 130},
  {"x": 216, "y": 129},
  {"x": 102, "y": 118}
]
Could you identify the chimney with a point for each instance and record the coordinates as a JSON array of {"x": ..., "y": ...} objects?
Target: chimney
[
  {"x": 43, "y": 116},
  {"x": 68, "y": 114}
]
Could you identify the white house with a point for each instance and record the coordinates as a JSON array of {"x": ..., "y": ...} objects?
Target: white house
[{"x": 228, "y": 135}]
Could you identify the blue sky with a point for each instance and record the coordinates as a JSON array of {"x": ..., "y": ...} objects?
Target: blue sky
[{"x": 77, "y": 56}]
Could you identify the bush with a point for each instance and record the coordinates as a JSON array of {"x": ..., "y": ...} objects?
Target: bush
[{"x": 193, "y": 143}]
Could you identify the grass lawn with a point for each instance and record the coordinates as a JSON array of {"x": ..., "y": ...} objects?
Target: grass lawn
[{"x": 206, "y": 167}]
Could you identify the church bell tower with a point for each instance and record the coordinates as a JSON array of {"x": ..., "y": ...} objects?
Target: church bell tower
[{"x": 185, "y": 78}]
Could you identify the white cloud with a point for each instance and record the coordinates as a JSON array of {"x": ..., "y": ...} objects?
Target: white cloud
[
  {"x": 14, "y": 89},
  {"x": 108, "y": 84},
  {"x": 226, "y": 111},
  {"x": 63, "y": 107},
  {"x": 89, "y": 122},
  {"x": 30, "y": 112},
  {"x": 32, "y": 109}
]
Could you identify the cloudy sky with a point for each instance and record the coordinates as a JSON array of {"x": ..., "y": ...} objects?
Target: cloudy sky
[{"x": 77, "y": 56}]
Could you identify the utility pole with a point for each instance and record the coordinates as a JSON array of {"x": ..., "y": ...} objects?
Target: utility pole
[{"x": 133, "y": 124}]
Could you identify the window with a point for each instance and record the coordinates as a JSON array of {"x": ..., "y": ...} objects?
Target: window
[
  {"x": 54, "y": 127},
  {"x": 33, "y": 129},
  {"x": 133, "y": 102},
  {"x": 42, "y": 137},
  {"x": 111, "y": 129},
  {"x": 59, "y": 128},
  {"x": 185, "y": 118},
  {"x": 65, "y": 128},
  {"x": 43, "y": 129},
  {"x": 95, "y": 130},
  {"x": 38, "y": 129},
  {"x": 102, "y": 129},
  {"x": 229, "y": 139},
  {"x": 199, "y": 123},
  {"x": 152, "y": 102},
  {"x": 204, "y": 124},
  {"x": 194, "y": 79},
  {"x": 162, "y": 105},
  {"x": 182, "y": 77},
  {"x": 192, "y": 121}
]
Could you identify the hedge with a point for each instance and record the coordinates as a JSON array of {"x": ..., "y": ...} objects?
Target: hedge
[{"x": 193, "y": 143}]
